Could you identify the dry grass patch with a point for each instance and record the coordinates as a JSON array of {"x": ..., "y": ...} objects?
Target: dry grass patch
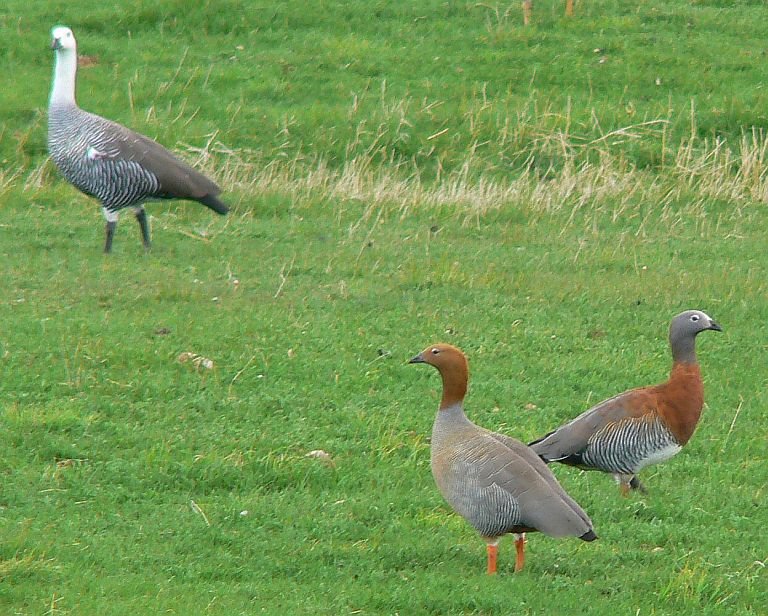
[{"x": 596, "y": 180}]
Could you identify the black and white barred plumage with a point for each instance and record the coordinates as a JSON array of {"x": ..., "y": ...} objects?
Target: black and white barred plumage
[
  {"x": 105, "y": 160},
  {"x": 626, "y": 448},
  {"x": 84, "y": 148}
]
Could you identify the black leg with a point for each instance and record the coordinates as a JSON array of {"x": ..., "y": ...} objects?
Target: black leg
[
  {"x": 636, "y": 484},
  {"x": 141, "y": 216},
  {"x": 110, "y": 234}
]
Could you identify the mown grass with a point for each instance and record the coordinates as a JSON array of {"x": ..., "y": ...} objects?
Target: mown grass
[{"x": 553, "y": 252}]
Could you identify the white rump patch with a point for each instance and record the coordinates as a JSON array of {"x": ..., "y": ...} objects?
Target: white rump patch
[
  {"x": 665, "y": 453},
  {"x": 94, "y": 154},
  {"x": 109, "y": 215}
]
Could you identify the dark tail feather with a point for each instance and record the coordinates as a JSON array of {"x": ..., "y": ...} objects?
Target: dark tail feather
[
  {"x": 538, "y": 440},
  {"x": 573, "y": 459},
  {"x": 589, "y": 536},
  {"x": 213, "y": 203}
]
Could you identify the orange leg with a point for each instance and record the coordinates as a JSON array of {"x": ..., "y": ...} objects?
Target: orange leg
[
  {"x": 569, "y": 8},
  {"x": 625, "y": 483},
  {"x": 527, "y": 9},
  {"x": 493, "y": 551},
  {"x": 520, "y": 547}
]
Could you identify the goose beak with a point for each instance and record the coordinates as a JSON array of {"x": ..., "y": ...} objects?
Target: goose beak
[
  {"x": 56, "y": 44},
  {"x": 715, "y": 327},
  {"x": 418, "y": 359}
]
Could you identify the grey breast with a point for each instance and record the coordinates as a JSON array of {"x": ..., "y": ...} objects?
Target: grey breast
[
  {"x": 461, "y": 458},
  {"x": 462, "y": 477}
]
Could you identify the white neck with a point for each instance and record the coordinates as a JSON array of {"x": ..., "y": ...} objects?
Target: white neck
[{"x": 63, "y": 90}]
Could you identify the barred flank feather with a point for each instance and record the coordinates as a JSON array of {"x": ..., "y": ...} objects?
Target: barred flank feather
[
  {"x": 492, "y": 510},
  {"x": 83, "y": 147},
  {"x": 630, "y": 445},
  {"x": 118, "y": 167}
]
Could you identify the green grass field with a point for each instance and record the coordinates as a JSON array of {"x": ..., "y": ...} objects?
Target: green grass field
[{"x": 400, "y": 173}]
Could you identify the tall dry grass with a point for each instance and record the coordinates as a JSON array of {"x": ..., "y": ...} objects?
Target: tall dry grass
[
  {"x": 605, "y": 180},
  {"x": 592, "y": 176}
]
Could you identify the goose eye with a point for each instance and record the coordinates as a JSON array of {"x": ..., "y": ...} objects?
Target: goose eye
[
  {"x": 695, "y": 318},
  {"x": 435, "y": 351}
]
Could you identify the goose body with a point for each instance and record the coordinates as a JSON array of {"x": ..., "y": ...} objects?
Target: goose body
[
  {"x": 492, "y": 480},
  {"x": 107, "y": 161},
  {"x": 642, "y": 426}
]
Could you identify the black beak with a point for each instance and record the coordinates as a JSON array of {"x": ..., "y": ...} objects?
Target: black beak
[
  {"x": 56, "y": 44},
  {"x": 715, "y": 327},
  {"x": 418, "y": 359}
]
